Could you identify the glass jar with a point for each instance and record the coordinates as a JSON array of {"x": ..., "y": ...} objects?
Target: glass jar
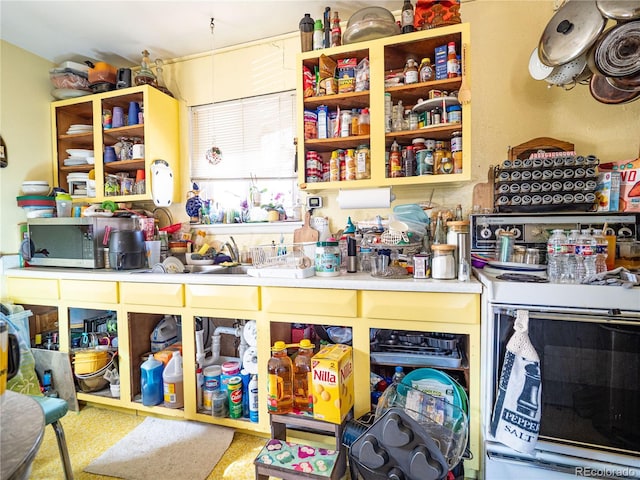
[
  {"x": 454, "y": 228},
  {"x": 438, "y": 154},
  {"x": 327, "y": 262},
  {"x": 456, "y": 151},
  {"x": 363, "y": 162},
  {"x": 443, "y": 263},
  {"x": 111, "y": 186},
  {"x": 505, "y": 246},
  {"x": 411, "y": 71}
]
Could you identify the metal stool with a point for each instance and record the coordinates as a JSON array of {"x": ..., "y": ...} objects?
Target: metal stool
[
  {"x": 54, "y": 409},
  {"x": 326, "y": 464}
]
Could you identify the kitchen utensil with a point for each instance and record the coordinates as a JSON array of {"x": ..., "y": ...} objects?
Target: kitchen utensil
[
  {"x": 623, "y": 10},
  {"x": 306, "y": 233},
  {"x": 617, "y": 54},
  {"x": 604, "y": 92},
  {"x": 570, "y": 32},
  {"x": 464, "y": 92},
  {"x": 483, "y": 192},
  {"x": 569, "y": 74},
  {"x": 127, "y": 250},
  {"x": 370, "y": 23}
]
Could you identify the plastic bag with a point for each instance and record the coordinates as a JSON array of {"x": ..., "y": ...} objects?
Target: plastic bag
[{"x": 26, "y": 380}]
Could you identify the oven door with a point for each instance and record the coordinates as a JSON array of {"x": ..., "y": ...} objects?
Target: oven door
[{"x": 590, "y": 366}]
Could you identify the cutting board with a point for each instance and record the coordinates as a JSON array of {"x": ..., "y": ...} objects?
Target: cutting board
[
  {"x": 306, "y": 233},
  {"x": 483, "y": 192}
]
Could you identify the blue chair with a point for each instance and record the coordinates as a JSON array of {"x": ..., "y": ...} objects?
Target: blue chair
[{"x": 54, "y": 409}]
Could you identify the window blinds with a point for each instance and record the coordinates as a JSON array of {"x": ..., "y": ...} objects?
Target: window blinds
[{"x": 254, "y": 134}]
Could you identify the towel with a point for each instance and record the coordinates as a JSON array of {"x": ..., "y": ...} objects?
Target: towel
[{"x": 516, "y": 415}]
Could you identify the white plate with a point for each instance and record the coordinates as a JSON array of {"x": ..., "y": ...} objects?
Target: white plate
[
  {"x": 35, "y": 182},
  {"x": 64, "y": 93},
  {"x": 79, "y": 152},
  {"x": 173, "y": 265},
  {"x": 435, "y": 102}
]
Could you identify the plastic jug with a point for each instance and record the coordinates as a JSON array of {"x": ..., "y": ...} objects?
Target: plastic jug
[
  {"x": 151, "y": 382},
  {"x": 172, "y": 381}
]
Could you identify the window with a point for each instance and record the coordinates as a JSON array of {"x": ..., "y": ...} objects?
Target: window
[{"x": 256, "y": 138}]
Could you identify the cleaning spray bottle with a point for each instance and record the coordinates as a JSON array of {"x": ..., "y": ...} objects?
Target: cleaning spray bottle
[
  {"x": 151, "y": 381},
  {"x": 172, "y": 379},
  {"x": 253, "y": 398}
]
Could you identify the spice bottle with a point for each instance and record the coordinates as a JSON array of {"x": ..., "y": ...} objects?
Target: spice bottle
[
  {"x": 364, "y": 122},
  {"x": 336, "y": 31},
  {"x": 306, "y": 33},
  {"x": 395, "y": 160},
  {"x": 409, "y": 159},
  {"x": 334, "y": 166},
  {"x": 363, "y": 162}
]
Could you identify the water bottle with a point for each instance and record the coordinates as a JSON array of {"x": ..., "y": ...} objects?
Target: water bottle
[
  {"x": 601, "y": 252},
  {"x": 586, "y": 265},
  {"x": 571, "y": 263},
  {"x": 398, "y": 375},
  {"x": 556, "y": 255}
]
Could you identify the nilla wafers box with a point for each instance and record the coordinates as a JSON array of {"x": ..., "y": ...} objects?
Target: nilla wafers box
[{"x": 332, "y": 383}]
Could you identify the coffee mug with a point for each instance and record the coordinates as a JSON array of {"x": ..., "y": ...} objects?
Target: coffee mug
[
  {"x": 134, "y": 111},
  {"x": 110, "y": 154}
]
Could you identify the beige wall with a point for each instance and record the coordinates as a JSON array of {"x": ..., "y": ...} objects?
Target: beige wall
[
  {"x": 508, "y": 106},
  {"x": 25, "y": 128}
]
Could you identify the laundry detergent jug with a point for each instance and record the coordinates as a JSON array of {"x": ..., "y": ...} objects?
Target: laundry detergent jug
[
  {"x": 172, "y": 380},
  {"x": 151, "y": 382}
]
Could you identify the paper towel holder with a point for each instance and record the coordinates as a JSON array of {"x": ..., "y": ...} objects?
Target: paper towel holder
[{"x": 380, "y": 197}]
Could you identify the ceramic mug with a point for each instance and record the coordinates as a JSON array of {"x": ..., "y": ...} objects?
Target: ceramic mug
[
  {"x": 134, "y": 111},
  {"x": 117, "y": 117},
  {"x": 138, "y": 151}
]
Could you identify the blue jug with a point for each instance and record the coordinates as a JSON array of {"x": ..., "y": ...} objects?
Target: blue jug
[{"x": 151, "y": 382}]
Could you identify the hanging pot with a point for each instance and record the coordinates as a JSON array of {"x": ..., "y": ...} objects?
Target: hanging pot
[
  {"x": 630, "y": 83},
  {"x": 570, "y": 32},
  {"x": 617, "y": 54},
  {"x": 606, "y": 93},
  {"x": 621, "y": 10}
]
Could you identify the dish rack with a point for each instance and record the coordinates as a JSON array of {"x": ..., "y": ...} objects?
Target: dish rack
[{"x": 291, "y": 255}]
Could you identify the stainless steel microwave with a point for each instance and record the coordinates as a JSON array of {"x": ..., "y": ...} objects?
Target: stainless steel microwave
[{"x": 71, "y": 241}]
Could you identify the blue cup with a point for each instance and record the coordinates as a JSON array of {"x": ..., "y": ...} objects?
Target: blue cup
[
  {"x": 110, "y": 155},
  {"x": 134, "y": 110}
]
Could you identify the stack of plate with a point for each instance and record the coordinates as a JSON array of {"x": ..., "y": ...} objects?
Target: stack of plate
[
  {"x": 79, "y": 128},
  {"x": 78, "y": 156},
  {"x": 37, "y": 205}
]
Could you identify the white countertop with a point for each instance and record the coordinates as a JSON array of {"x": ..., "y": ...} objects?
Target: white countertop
[{"x": 346, "y": 281}]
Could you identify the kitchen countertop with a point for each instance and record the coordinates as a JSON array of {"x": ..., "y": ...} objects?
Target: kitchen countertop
[{"x": 346, "y": 281}]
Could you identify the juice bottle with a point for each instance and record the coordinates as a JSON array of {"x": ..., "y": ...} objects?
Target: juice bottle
[
  {"x": 151, "y": 381},
  {"x": 280, "y": 383},
  {"x": 302, "y": 395}
]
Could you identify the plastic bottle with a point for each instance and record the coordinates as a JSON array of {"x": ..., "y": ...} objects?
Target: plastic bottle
[
  {"x": 199, "y": 387},
  {"x": 302, "y": 396},
  {"x": 395, "y": 160},
  {"x": 280, "y": 382},
  {"x": 426, "y": 70},
  {"x": 172, "y": 380},
  {"x": 584, "y": 255},
  {"x": 364, "y": 122},
  {"x": 398, "y": 375},
  {"x": 318, "y": 35},
  {"x": 306, "y": 33},
  {"x": 151, "y": 382},
  {"x": 556, "y": 255},
  {"x": 601, "y": 251},
  {"x": 571, "y": 265},
  {"x": 452, "y": 60},
  {"x": 253, "y": 398}
]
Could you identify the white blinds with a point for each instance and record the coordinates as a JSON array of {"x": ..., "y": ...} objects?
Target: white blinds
[{"x": 254, "y": 134}]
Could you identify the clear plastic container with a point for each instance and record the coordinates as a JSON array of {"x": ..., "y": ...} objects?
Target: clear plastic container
[
  {"x": 556, "y": 256},
  {"x": 63, "y": 205}
]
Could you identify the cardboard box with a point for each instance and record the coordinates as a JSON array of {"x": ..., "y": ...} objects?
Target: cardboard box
[
  {"x": 629, "y": 182},
  {"x": 332, "y": 378},
  {"x": 347, "y": 75},
  {"x": 441, "y": 62},
  {"x": 608, "y": 192}
]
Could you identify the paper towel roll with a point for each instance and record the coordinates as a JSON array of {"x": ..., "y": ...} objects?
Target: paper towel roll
[{"x": 365, "y": 198}]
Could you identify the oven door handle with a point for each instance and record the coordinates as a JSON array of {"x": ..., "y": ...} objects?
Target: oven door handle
[{"x": 572, "y": 314}]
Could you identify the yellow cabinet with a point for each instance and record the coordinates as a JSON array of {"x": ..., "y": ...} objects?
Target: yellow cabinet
[
  {"x": 72, "y": 120},
  {"x": 385, "y": 55}
]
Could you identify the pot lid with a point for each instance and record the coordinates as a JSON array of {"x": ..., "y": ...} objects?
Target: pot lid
[
  {"x": 604, "y": 92},
  {"x": 630, "y": 83},
  {"x": 619, "y": 9},
  {"x": 570, "y": 32},
  {"x": 617, "y": 54}
]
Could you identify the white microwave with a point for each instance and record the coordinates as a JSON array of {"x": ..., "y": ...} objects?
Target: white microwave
[{"x": 70, "y": 241}]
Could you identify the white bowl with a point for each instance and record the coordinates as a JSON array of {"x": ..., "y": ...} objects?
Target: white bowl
[{"x": 35, "y": 189}]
